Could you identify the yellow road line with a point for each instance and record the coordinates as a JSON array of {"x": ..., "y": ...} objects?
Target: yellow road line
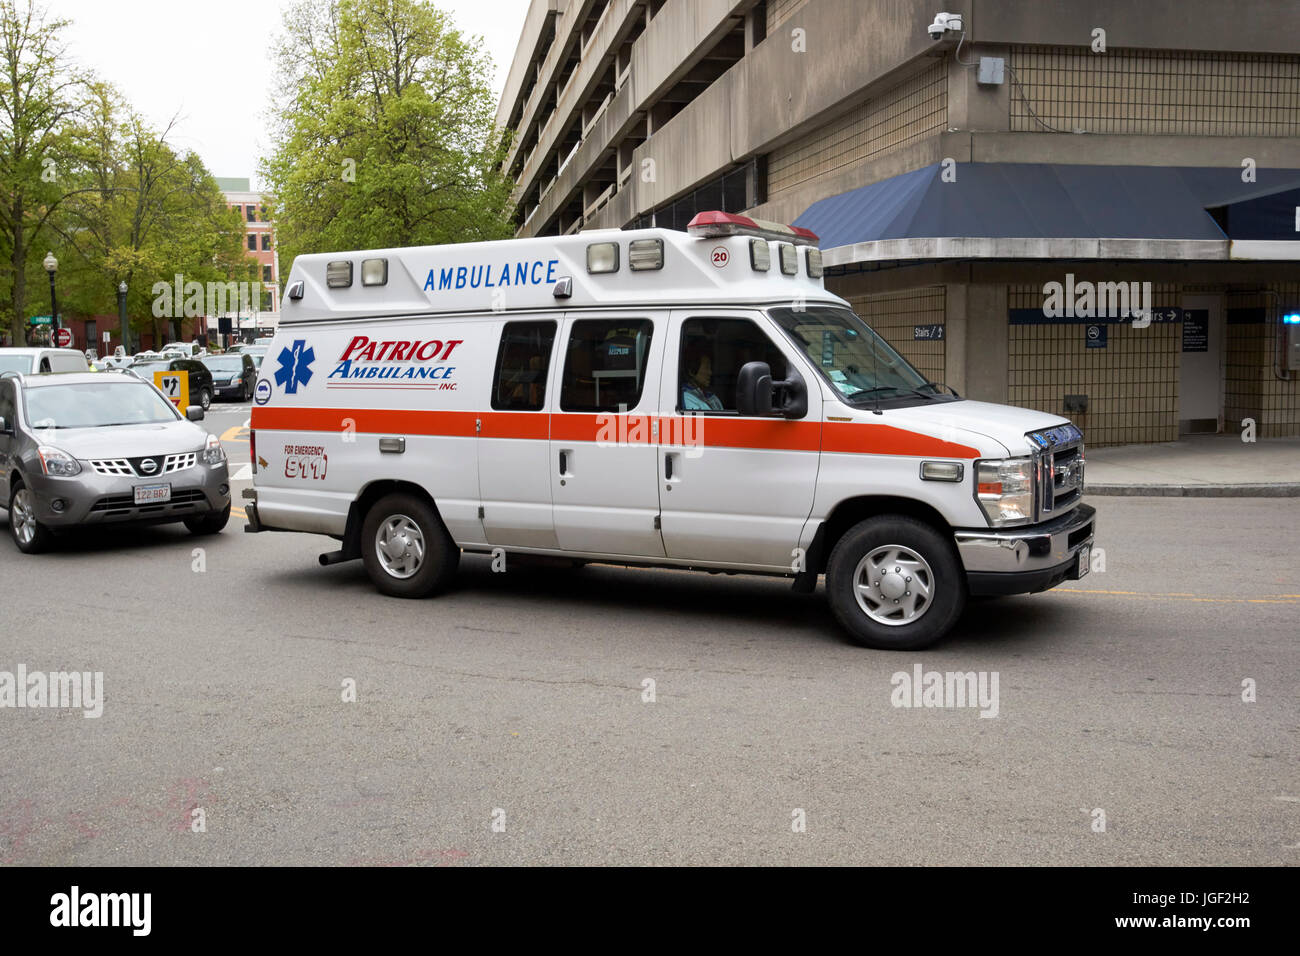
[
  {"x": 232, "y": 434},
  {"x": 1178, "y": 596}
]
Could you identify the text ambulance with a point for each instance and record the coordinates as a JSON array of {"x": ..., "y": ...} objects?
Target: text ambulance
[{"x": 651, "y": 398}]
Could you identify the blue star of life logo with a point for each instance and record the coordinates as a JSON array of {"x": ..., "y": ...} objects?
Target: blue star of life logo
[{"x": 295, "y": 366}]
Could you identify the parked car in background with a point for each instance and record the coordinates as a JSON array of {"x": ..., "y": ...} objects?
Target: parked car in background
[
  {"x": 186, "y": 349},
  {"x": 80, "y": 450},
  {"x": 265, "y": 341},
  {"x": 32, "y": 361},
  {"x": 201, "y": 386},
  {"x": 258, "y": 352},
  {"x": 233, "y": 376}
]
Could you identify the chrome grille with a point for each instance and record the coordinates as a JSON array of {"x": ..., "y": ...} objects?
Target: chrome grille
[
  {"x": 1058, "y": 456},
  {"x": 179, "y": 462},
  {"x": 131, "y": 467},
  {"x": 112, "y": 466}
]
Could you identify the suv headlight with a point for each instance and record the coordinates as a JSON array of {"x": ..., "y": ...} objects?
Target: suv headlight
[
  {"x": 1005, "y": 490},
  {"x": 58, "y": 464},
  {"x": 213, "y": 453}
]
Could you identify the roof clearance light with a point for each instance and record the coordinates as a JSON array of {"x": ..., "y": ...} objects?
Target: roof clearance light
[
  {"x": 645, "y": 255},
  {"x": 815, "y": 270},
  {"x": 374, "y": 272},
  {"x": 760, "y": 255},
  {"x": 602, "y": 257},
  {"x": 789, "y": 259},
  {"x": 714, "y": 225},
  {"x": 338, "y": 274}
]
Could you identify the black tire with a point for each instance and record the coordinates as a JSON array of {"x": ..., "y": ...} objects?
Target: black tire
[
  {"x": 933, "y": 617},
  {"x": 211, "y": 523},
  {"x": 42, "y": 538},
  {"x": 205, "y": 398},
  {"x": 434, "y": 569},
  {"x": 244, "y": 393}
]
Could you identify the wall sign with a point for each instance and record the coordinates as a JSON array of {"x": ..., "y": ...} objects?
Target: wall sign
[
  {"x": 1196, "y": 330},
  {"x": 1094, "y": 336},
  {"x": 927, "y": 333}
]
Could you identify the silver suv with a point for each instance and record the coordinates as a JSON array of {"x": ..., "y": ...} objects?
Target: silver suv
[{"x": 88, "y": 449}]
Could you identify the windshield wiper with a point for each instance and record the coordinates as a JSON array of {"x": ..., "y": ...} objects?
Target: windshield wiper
[
  {"x": 886, "y": 388},
  {"x": 935, "y": 386}
]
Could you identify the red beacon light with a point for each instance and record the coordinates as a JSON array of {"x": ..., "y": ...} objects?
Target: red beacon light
[{"x": 713, "y": 225}]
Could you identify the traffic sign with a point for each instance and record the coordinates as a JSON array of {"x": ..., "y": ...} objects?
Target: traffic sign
[
  {"x": 41, "y": 320},
  {"x": 176, "y": 386},
  {"x": 62, "y": 338}
]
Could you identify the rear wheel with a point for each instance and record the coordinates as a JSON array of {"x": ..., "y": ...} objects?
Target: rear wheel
[
  {"x": 406, "y": 548},
  {"x": 30, "y": 535},
  {"x": 895, "y": 583},
  {"x": 211, "y": 523}
]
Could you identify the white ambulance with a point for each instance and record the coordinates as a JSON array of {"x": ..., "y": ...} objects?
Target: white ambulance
[{"x": 649, "y": 398}]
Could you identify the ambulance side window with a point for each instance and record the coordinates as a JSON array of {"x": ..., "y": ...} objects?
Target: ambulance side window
[
  {"x": 522, "y": 362},
  {"x": 711, "y": 356},
  {"x": 605, "y": 365}
]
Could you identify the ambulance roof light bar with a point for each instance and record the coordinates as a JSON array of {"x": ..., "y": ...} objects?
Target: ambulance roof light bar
[{"x": 713, "y": 225}]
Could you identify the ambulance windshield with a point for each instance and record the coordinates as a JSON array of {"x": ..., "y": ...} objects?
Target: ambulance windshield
[{"x": 857, "y": 362}]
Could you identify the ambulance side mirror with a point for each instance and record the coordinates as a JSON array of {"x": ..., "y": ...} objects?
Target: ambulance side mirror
[{"x": 754, "y": 390}]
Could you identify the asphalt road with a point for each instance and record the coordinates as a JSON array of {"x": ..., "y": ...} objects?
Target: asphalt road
[{"x": 519, "y": 699}]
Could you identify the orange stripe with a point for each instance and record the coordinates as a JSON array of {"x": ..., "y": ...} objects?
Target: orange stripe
[
  {"x": 867, "y": 439},
  {"x": 705, "y": 430}
]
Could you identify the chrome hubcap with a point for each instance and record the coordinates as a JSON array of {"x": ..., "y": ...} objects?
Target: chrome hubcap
[
  {"x": 23, "y": 516},
  {"x": 893, "y": 585},
  {"x": 399, "y": 544}
]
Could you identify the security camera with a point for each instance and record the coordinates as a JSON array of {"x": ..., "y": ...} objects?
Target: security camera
[{"x": 943, "y": 23}]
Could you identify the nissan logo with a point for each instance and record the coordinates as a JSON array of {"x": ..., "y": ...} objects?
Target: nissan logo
[{"x": 148, "y": 466}]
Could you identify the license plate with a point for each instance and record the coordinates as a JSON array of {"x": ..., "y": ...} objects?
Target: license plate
[
  {"x": 152, "y": 494},
  {"x": 1085, "y": 561}
]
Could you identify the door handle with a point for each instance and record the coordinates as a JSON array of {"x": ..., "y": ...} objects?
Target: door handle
[
  {"x": 564, "y": 462},
  {"x": 668, "y": 467}
]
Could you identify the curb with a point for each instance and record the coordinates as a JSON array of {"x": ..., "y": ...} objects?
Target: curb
[{"x": 1275, "y": 489}]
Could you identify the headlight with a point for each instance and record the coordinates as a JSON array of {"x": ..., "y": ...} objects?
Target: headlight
[
  {"x": 213, "y": 453},
  {"x": 1005, "y": 490},
  {"x": 58, "y": 464},
  {"x": 236, "y": 379}
]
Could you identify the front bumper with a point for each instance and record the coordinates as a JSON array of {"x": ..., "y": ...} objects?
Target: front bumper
[
  {"x": 93, "y": 499},
  {"x": 1028, "y": 559}
]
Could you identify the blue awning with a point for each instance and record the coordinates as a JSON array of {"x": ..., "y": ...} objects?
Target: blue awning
[{"x": 1049, "y": 201}]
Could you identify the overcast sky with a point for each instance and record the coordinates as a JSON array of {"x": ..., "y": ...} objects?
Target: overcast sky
[{"x": 208, "y": 61}]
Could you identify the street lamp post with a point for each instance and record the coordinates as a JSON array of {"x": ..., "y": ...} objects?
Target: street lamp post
[
  {"x": 121, "y": 316},
  {"x": 52, "y": 266}
]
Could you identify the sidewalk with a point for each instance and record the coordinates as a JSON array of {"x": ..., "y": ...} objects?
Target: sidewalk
[{"x": 1211, "y": 466}]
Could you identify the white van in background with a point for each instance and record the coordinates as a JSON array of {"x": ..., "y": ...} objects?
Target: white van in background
[
  {"x": 33, "y": 361},
  {"x": 649, "y": 397}
]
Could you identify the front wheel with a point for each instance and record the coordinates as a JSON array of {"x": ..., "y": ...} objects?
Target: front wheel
[
  {"x": 30, "y": 535},
  {"x": 406, "y": 548},
  {"x": 205, "y": 399},
  {"x": 211, "y": 523},
  {"x": 895, "y": 583}
]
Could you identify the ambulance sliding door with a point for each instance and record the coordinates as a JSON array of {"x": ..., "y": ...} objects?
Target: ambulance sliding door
[
  {"x": 604, "y": 483},
  {"x": 514, "y": 439}
]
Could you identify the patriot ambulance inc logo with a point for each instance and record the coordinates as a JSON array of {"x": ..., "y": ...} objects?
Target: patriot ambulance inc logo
[
  {"x": 370, "y": 363},
  {"x": 295, "y": 366}
]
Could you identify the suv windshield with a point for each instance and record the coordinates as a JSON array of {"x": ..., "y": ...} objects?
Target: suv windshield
[
  {"x": 93, "y": 405},
  {"x": 858, "y": 363},
  {"x": 230, "y": 366}
]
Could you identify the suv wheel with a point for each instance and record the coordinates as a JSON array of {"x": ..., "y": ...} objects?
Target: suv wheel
[
  {"x": 30, "y": 535},
  {"x": 210, "y": 523},
  {"x": 406, "y": 548},
  {"x": 895, "y": 583}
]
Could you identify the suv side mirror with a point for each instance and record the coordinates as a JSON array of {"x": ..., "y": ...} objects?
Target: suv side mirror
[
  {"x": 194, "y": 413},
  {"x": 754, "y": 390}
]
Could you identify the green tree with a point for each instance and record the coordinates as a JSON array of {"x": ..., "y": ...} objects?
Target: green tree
[
  {"x": 384, "y": 133},
  {"x": 141, "y": 213},
  {"x": 39, "y": 95}
]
